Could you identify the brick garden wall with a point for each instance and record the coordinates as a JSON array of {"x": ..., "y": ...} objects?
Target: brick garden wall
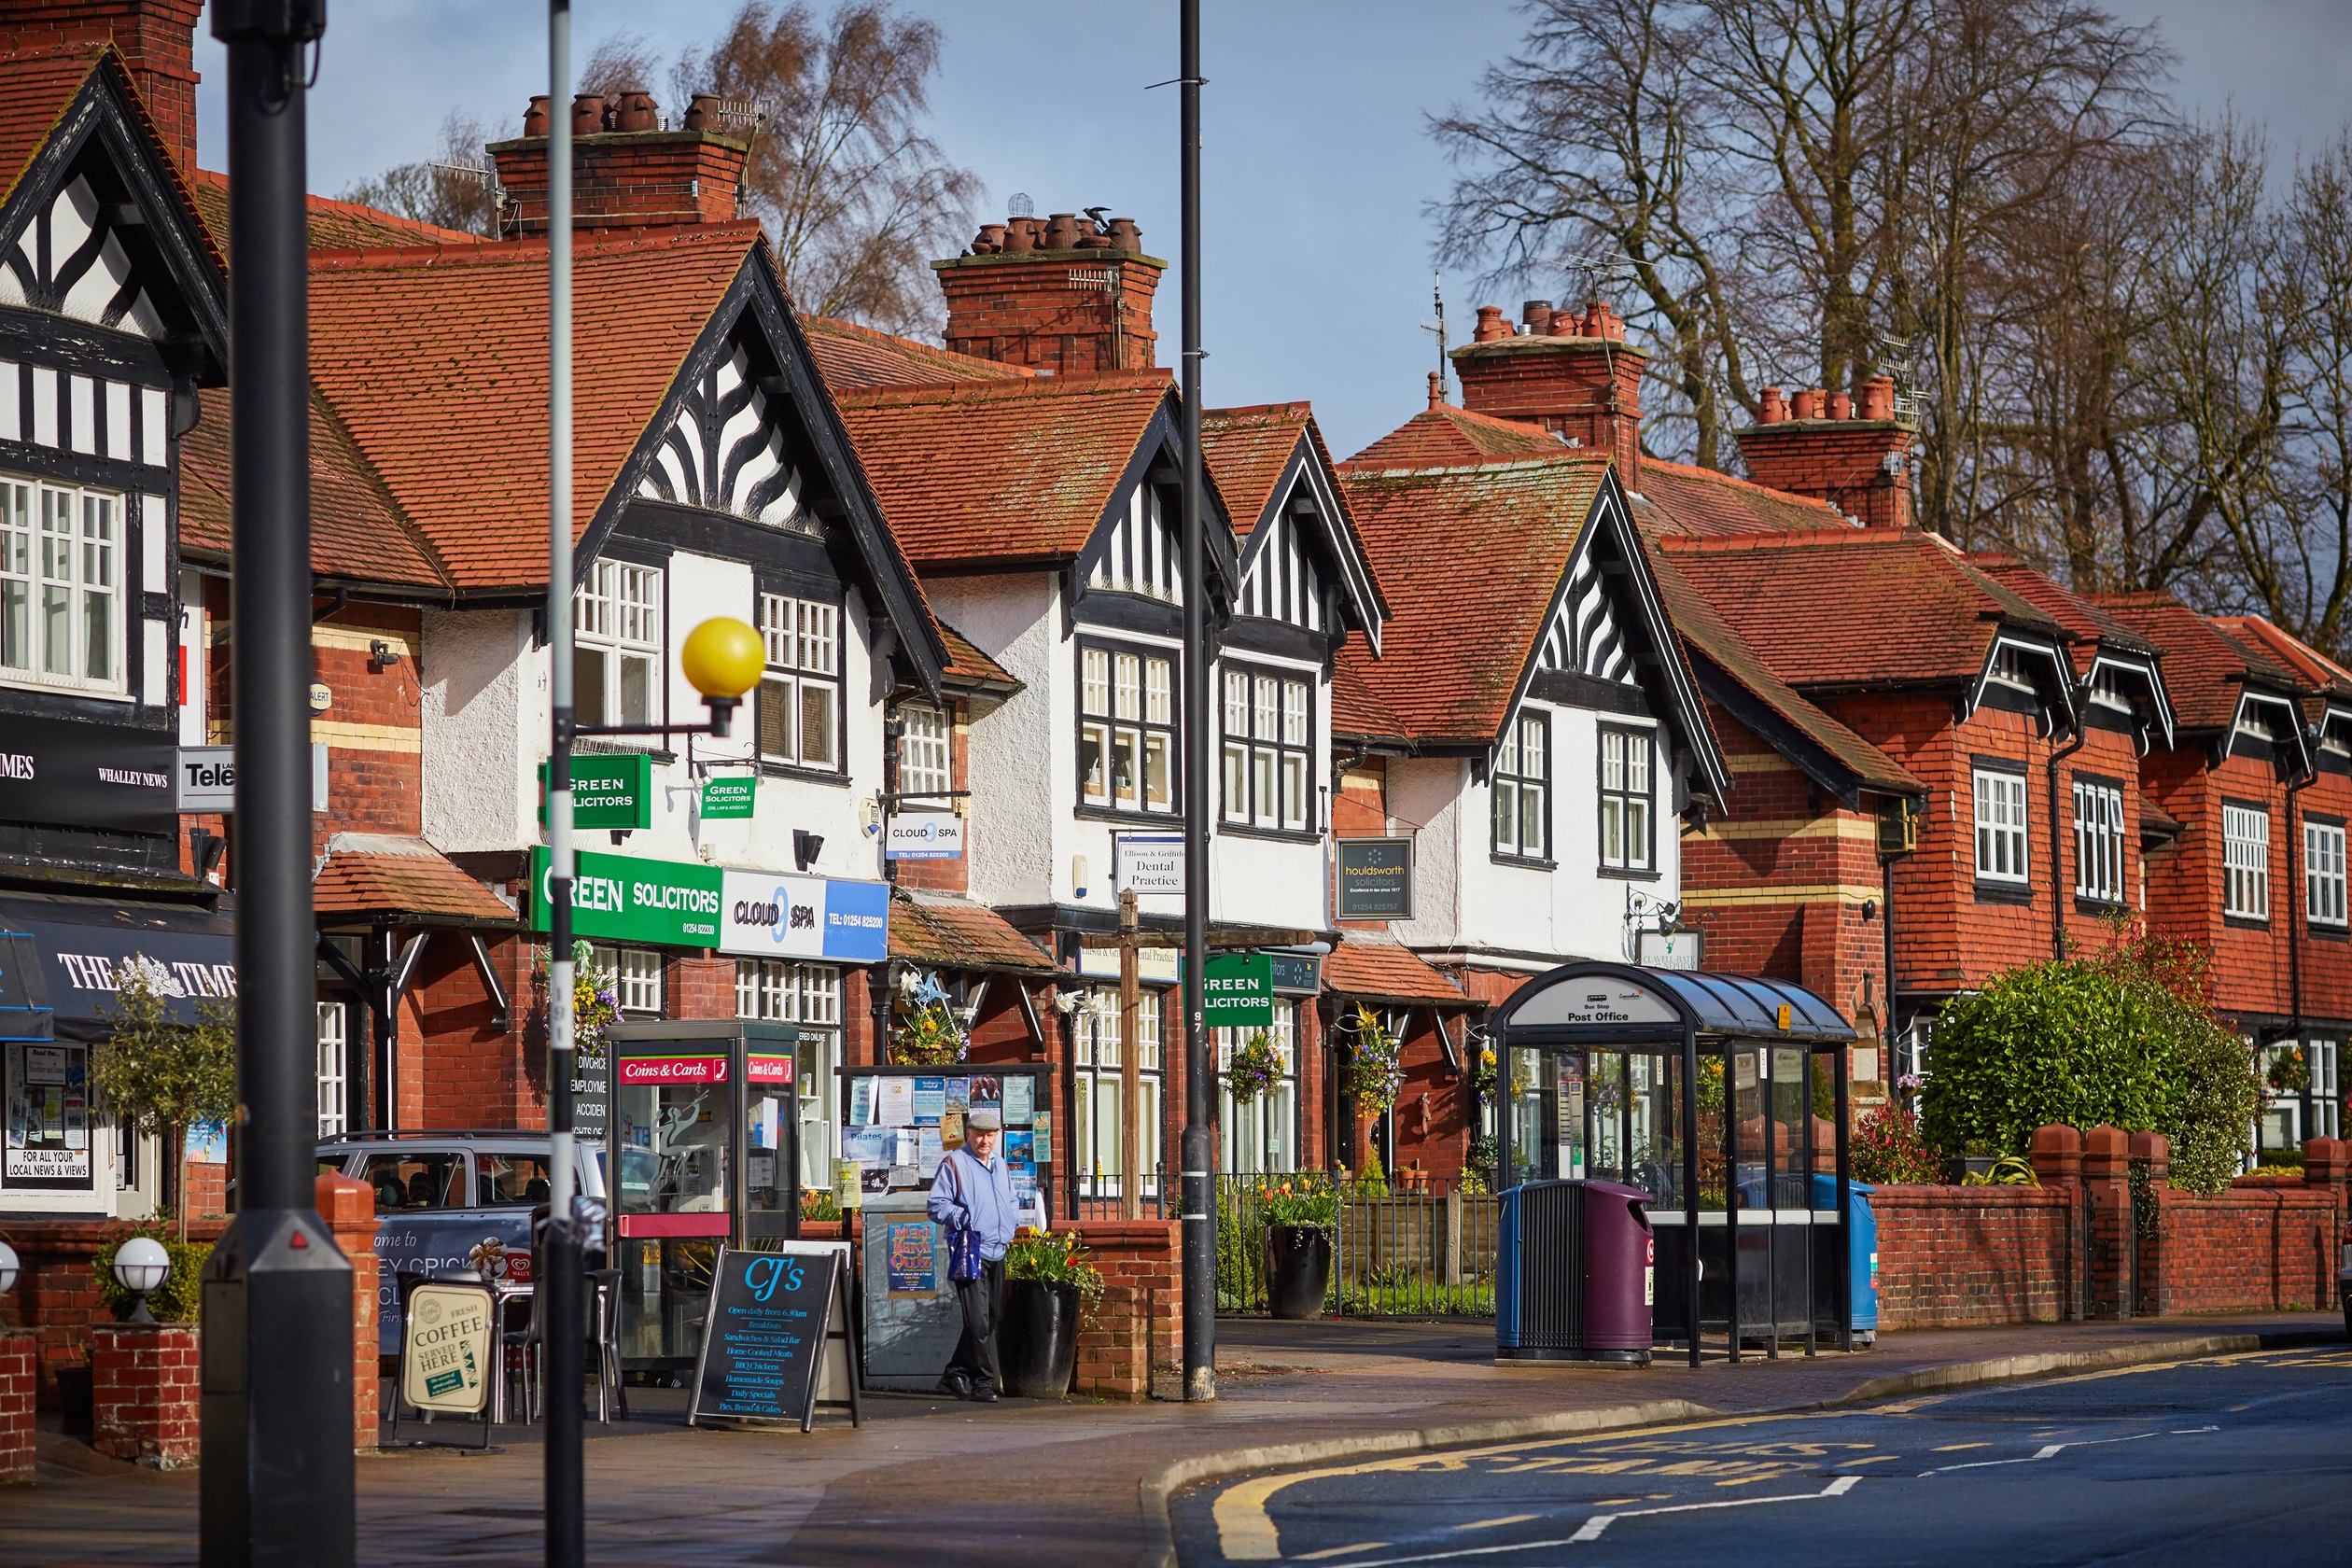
[
  {"x": 1952, "y": 1257},
  {"x": 145, "y": 1393},
  {"x": 1131, "y": 1346},
  {"x": 20, "y": 1379}
]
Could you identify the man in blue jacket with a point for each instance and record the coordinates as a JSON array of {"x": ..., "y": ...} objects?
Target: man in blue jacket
[{"x": 974, "y": 1191}]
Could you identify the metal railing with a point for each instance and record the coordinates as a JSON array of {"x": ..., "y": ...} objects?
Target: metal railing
[{"x": 1424, "y": 1249}]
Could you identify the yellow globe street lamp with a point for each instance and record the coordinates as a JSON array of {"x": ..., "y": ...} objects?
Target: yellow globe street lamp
[{"x": 723, "y": 658}]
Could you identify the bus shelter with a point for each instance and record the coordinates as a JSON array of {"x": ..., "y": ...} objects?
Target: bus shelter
[{"x": 1721, "y": 1096}]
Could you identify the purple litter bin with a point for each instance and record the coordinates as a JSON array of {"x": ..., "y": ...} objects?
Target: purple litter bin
[{"x": 1576, "y": 1273}]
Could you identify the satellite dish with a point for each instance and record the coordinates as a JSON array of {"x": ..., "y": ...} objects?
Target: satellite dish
[{"x": 1020, "y": 206}]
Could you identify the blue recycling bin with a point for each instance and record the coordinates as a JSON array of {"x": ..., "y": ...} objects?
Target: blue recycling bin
[{"x": 1862, "y": 1244}]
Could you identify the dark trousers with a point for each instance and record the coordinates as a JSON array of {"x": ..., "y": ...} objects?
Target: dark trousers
[{"x": 983, "y": 1304}]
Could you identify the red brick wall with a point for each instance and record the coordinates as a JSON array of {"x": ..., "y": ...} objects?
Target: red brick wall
[
  {"x": 1130, "y": 1346},
  {"x": 1953, "y": 1256},
  {"x": 2327, "y": 956},
  {"x": 156, "y": 38},
  {"x": 1433, "y": 1107},
  {"x": 2249, "y": 962},
  {"x": 145, "y": 1393},
  {"x": 19, "y": 1383},
  {"x": 1841, "y": 461},
  {"x": 457, "y": 1069},
  {"x": 1587, "y": 389},
  {"x": 2268, "y": 1248},
  {"x": 627, "y": 179},
  {"x": 1025, "y": 310},
  {"x": 348, "y": 1207},
  {"x": 57, "y": 1296}
]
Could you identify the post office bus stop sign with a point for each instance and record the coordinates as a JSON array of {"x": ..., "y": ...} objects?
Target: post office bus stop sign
[{"x": 1238, "y": 992}]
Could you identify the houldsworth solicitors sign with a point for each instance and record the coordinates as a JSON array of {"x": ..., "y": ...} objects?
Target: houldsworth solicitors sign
[{"x": 679, "y": 903}]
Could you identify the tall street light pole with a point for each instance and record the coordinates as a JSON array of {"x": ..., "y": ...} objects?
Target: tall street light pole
[
  {"x": 1199, "y": 1221},
  {"x": 566, "y": 1498},
  {"x": 277, "y": 1305}
]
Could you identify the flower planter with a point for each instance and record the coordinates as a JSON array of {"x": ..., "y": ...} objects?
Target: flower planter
[
  {"x": 1037, "y": 1345},
  {"x": 1298, "y": 1270}
]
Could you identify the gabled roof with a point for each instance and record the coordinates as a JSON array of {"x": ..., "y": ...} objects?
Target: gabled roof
[
  {"x": 358, "y": 535},
  {"x": 1850, "y": 608},
  {"x": 332, "y": 225},
  {"x": 998, "y": 472},
  {"x": 1259, "y": 458},
  {"x": 36, "y": 89},
  {"x": 968, "y": 669},
  {"x": 2092, "y": 626},
  {"x": 1447, "y": 435},
  {"x": 2205, "y": 668},
  {"x": 2330, "y": 679},
  {"x": 854, "y": 357}
]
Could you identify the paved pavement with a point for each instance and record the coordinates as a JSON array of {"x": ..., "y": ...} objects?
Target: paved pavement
[
  {"x": 2230, "y": 1457},
  {"x": 1026, "y": 1482}
]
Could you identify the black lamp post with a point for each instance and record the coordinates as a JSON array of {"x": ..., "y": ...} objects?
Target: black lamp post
[{"x": 278, "y": 1308}]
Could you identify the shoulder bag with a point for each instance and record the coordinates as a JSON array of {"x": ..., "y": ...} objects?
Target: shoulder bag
[{"x": 963, "y": 1242}]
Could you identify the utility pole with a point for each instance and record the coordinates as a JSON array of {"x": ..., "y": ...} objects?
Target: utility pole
[
  {"x": 1199, "y": 1221},
  {"x": 1130, "y": 1067},
  {"x": 562, "y": 1310},
  {"x": 278, "y": 1305}
]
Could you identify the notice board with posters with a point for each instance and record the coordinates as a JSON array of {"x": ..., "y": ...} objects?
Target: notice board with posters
[{"x": 778, "y": 1341}]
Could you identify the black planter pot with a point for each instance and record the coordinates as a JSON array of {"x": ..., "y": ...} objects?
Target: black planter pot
[
  {"x": 1299, "y": 1271},
  {"x": 1037, "y": 1346}
]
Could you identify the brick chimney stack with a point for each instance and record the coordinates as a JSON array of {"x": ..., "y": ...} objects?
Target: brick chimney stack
[
  {"x": 1067, "y": 295},
  {"x": 1575, "y": 375},
  {"x": 627, "y": 172},
  {"x": 1814, "y": 445},
  {"x": 156, "y": 39}
]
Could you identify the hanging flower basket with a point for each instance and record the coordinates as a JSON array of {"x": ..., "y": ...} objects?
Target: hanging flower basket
[
  {"x": 595, "y": 997},
  {"x": 1255, "y": 1069},
  {"x": 929, "y": 1036},
  {"x": 1483, "y": 1075},
  {"x": 1375, "y": 1073}
]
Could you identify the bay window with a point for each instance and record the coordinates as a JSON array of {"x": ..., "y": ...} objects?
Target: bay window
[
  {"x": 617, "y": 645},
  {"x": 1127, "y": 729},
  {"x": 61, "y": 587},
  {"x": 800, "y": 693},
  {"x": 1269, "y": 771}
]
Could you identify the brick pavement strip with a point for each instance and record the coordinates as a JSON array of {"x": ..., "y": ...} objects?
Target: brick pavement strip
[{"x": 1048, "y": 1484}]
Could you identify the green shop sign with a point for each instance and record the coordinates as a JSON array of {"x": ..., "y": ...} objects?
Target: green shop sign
[
  {"x": 1238, "y": 992},
  {"x": 611, "y": 789},
  {"x": 730, "y": 795},
  {"x": 619, "y": 898}
]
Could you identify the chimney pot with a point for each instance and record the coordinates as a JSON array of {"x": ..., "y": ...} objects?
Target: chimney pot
[
  {"x": 1436, "y": 390},
  {"x": 1878, "y": 397},
  {"x": 535, "y": 118},
  {"x": 1491, "y": 325},
  {"x": 1537, "y": 314},
  {"x": 1563, "y": 324},
  {"x": 1062, "y": 232},
  {"x": 1808, "y": 406},
  {"x": 702, "y": 112},
  {"x": 637, "y": 112},
  {"x": 1020, "y": 237},
  {"x": 991, "y": 240},
  {"x": 1125, "y": 235},
  {"x": 588, "y": 113},
  {"x": 1840, "y": 406},
  {"x": 1769, "y": 409}
]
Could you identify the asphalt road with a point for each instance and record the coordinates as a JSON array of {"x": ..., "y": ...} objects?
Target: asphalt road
[{"x": 2244, "y": 1458}]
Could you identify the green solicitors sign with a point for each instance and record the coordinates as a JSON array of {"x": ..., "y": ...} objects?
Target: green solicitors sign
[
  {"x": 614, "y": 790},
  {"x": 730, "y": 795},
  {"x": 1238, "y": 992},
  {"x": 618, "y": 897}
]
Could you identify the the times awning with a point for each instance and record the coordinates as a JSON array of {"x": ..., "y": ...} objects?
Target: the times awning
[{"x": 82, "y": 942}]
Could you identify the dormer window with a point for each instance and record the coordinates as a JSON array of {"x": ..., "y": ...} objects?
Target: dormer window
[
  {"x": 2106, "y": 691},
  {"x": 2008, "y": 669}
]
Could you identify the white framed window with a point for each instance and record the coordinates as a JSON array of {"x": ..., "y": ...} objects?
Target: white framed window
[
  {"x": 1629, "y": 841},
  {"x": 1095, "y": 1130},
  {"x": 636, "y": 976},
  {"x": 800, "y": 695},
  {"x": 1127, "y": 729},
  {"x": 333, "y": 1077},
  {"x": 2325, "y": 1057},
  {"x": 808, "y": 995},
  {"x": 2106, "y": 691},
  {"x": 2245, "y": 861},
  {"x": 2000, "y": 826},
  {"x": 926, "y": 756},
  {"x": 1260, "y": 1134},
  {"x": 61, "y": 587},
  {"x": 2098, "y": 810},
  {"x": 1523, "y": 788},
  {"x": 1269, "y": 766},
  {"x": 617, "y": 645},
  {"x": 2008, "y": 669},
  {"x": 2323, "y": 874}
]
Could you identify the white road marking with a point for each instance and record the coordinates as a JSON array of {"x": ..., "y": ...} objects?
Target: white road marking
[
  {"x": 1593, "y": 1527},
  {"x": 2052, "y": 1450}
]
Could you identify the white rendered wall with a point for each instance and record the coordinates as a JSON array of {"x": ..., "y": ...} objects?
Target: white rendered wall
[
  {"x": 1019, "y": 791},
  {"x": 484, "y": 705}
]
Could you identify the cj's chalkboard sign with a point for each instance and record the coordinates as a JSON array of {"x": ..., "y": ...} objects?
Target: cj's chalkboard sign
[{"x": 778, "y": 1342}]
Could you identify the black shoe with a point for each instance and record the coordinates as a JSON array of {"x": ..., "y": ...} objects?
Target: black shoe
[
  {"x": 982, "y": 1395},
  {"x": 955, "y": 1386}
]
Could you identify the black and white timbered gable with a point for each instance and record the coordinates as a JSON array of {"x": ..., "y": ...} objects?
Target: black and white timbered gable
[
  {"x": 1608, "y": 643},
  {"x": 1130, "y": 573},
  {"x": 112, "y": 316},
  {"x": 746, "y": 459},
  {"x": 1305, "y": 581}
]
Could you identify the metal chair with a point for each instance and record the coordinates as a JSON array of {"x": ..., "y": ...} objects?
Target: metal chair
[{"x": 604, "y": 1336}]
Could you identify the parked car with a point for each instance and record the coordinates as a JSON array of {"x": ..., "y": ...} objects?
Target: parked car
[{"x": 452, "y": 1200}]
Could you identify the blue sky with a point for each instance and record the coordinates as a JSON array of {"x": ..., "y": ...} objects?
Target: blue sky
[{"x": 1316, "y": 165}]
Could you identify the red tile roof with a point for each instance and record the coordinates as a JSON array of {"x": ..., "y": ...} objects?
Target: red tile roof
[
  {"x": 332, "y": 225},
  {"x": 2276, "y": 642},
  {"x": 436, "y": 358},
  {"x": 1450, "y": 435},
  {"x": 2091, "y": 625},
  {"x": 376, "y": 875},
  {"x": 1002, "y": 471},
  {"x": 2204, "y": 667},
  {"x": 1703, "y": 502},
  {"x": 357, "y": 531},
  {"x": 1379, "y": 968},
  {"x": 1246, "y": 450},
  {"x": 968, "y": 668},
  {"x": 853, "y": 356},
  {"x": 1507, "y": 526},
  {"x": 943, "y": 932},
  {"x": 1850, "y": 608},
  {"x": 1357, "y": 712}
]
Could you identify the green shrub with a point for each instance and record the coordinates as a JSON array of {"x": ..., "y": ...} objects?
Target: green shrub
[{"x": 175, "y": 1300}]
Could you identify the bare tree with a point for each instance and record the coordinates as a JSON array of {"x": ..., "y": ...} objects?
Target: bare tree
[
  {"x": 856, "y": 195},
  {"x": 441, "y": 190}
]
